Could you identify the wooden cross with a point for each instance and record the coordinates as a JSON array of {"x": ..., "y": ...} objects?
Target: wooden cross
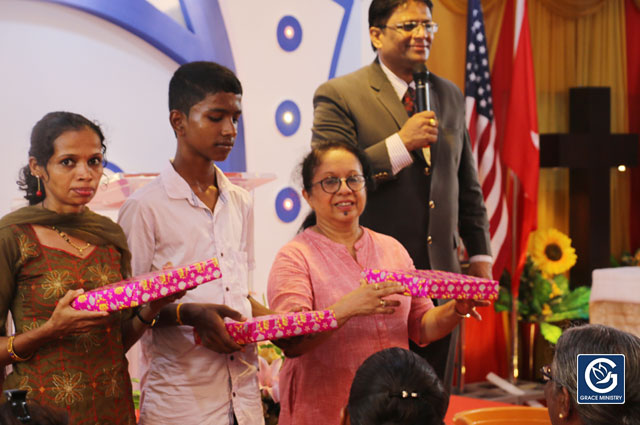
[{"x": 589, "y": 151}]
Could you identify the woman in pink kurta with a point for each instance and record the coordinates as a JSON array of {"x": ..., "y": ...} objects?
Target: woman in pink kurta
[{"x": 320, "y": 269}]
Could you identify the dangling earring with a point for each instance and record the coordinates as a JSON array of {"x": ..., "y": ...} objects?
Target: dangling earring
[
  {"x": 560, "y": 415},
  {"x": 38, "y": 192}
]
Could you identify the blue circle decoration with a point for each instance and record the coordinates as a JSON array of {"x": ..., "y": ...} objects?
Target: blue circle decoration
[
  {"x": 289, "y": 33},
  {"x": 287, "y": 204},
  {"x": 288, "y": 118}
]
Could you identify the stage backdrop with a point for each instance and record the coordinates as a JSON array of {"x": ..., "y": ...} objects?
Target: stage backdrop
[{"x": 112, "y": 61}]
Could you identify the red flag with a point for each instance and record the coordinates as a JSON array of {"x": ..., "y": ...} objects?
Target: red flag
[
  {"x": 521, "y": 143},
  {"x": 482, "y": 132},
  {"x": 484, "y": 342}
]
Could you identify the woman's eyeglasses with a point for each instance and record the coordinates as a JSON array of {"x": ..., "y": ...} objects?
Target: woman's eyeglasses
[
  {"x": 546, "y": 373},
  {"x": 332, "y": 185}
]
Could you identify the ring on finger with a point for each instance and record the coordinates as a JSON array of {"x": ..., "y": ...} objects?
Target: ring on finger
[
  {"x": 432, "y": 122},
  {"x": 383, "y": 303},
  {"x": 376, "y": 286}
]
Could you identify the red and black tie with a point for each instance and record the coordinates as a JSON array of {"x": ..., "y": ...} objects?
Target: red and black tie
[{"x": 409, "y": 101}]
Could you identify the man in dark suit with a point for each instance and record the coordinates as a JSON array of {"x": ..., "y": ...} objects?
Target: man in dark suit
[{"x": 427, "y": 183}]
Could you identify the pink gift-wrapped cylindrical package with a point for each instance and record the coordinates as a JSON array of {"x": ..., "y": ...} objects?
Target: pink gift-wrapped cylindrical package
[
  {"x": 148, "y": 287},
  {"x": 278, "y": 326},
  {"x": 437, "y": 284}
]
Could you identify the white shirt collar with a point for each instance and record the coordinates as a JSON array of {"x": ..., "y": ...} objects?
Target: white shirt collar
[
  {"x": 399, "y": 85},
  {"x": 177, "y": 187}
]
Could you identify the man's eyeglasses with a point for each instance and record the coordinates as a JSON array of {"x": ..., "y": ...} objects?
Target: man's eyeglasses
[
  {"x": 546, "y": 373},
  {"x": 410, "y": 26},
  {"x": 332, "y": 185}
]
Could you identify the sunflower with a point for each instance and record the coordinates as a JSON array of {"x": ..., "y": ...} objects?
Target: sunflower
[{"x": 552, "y": 252}]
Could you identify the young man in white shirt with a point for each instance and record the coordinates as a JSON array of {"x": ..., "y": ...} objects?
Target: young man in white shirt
[{"x": 192, "y": 212}]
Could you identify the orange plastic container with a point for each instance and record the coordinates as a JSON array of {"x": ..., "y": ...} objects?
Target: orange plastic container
[{"x": 516, "y": 415}]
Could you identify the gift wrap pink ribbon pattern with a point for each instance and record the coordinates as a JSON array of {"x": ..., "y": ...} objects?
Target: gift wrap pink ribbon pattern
[
  {"x": 278, "y": 326},
  {"x": 148, "y": 287},
  {"x": 437, "y": 284}
]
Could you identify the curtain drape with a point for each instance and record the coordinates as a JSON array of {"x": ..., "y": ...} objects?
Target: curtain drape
[
  {"x": 589, "y": 50},
  {"x": 573, "y": 9},
  {"x": 575, "y": 43}
]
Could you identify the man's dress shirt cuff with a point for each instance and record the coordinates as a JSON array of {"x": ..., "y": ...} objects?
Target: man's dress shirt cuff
[
  {"x": 398, "y": 154},
  {"x": 478, "y": 258}
]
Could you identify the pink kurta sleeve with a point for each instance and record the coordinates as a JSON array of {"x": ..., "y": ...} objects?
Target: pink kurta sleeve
[
  {"x": 289, "y": 286},
  {"x": 419, "y": 306}
]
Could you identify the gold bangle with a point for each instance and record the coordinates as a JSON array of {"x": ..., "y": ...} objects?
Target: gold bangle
[
  {"x": 178, "y": 315},
  {"x": 14, "y": 356}
]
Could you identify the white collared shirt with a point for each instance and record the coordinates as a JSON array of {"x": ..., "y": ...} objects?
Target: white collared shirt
[
  {"x": 399, "y": 156},
  {"x": 184, "y": 383}
]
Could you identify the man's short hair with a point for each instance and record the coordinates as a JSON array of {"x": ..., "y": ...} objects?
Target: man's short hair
[
  {"x": 194, "y": 81},
  {"x": 381, "y": 10}
]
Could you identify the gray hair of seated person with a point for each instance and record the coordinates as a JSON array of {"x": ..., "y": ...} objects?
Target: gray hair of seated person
[
  {"x": 599, "y": 339},
  {"x": 396, "y": 386}
]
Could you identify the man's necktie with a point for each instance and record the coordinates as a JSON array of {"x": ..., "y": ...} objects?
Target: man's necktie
[
  {"x": 409, "y": 101},
  {"x": 410, "y": 106}
]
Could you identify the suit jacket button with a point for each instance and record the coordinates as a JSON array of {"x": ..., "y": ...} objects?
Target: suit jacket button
[
  {"x": 429, "y": 240},
  {"x": 432, "y": 204}
]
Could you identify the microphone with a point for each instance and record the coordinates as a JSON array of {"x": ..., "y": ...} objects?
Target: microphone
[
  {"x": 423, "y": 103},
  {"x": 421, "y": 78}
]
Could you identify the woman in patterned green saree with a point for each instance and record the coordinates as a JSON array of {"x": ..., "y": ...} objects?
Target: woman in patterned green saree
[{"x": 51, "y": 252}]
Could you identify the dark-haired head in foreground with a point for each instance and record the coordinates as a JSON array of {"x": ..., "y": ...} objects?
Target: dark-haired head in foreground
[{"x": 396, "y": 386}]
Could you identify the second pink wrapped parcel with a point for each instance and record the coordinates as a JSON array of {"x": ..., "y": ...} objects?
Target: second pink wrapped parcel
[
  {"x": 437, "y": 284},
  {"x": 278, "y": 326},
  {"x": 148, "y": 287}
]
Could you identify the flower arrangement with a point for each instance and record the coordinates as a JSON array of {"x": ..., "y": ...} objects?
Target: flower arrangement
[
  {"x": 270, "y": 359},
  {"x": 627, "y": 260},
  {"x": 545, "y": 296}
]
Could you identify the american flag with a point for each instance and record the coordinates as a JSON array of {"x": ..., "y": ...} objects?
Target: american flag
[{"x": 482, "y": 131}]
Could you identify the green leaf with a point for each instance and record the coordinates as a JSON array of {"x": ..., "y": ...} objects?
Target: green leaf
[
  {"x": 581, "y": 313},
  {"x": 613, "y": 261},
  {"x": 540, "y": 295},
  {"x": 525, "y": 312},
  {"x": 577, "y": 298},
  {"x": 574, "y": 305},
  {"x": 562, "y": 282},
  {"x": 503, "y": 303},
  {"x": 136, "y": 395},
  {"x": 550, "y": 332}
]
